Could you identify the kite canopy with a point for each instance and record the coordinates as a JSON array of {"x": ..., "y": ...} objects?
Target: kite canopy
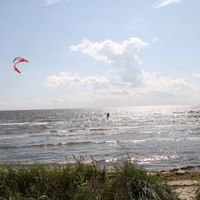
[{"x": 16, "y": 61}]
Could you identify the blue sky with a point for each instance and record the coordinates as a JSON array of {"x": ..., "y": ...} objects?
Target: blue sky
[{"x": 96, "y": 53}]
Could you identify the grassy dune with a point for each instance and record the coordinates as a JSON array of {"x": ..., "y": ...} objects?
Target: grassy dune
[{"x": 80, "y": 182}]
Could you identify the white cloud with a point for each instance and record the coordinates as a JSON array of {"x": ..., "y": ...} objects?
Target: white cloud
[
  {"x": 155, "y": 39},
  {"x": 50, "y": 2},
  {"x": 124, "y": 61},
  {"x": 108, "y": 50},
  {"x": 64, "y": 79},
  {"x": 97, "y": 91},
  {"x": 122, "y": 57},
  {"x": 196, "y": 75},
  {"x": 100, "y": 86},
  {"x": 128, "y": 84},
  {"x": 157, "y": 89},
  {"x": 163, "y": 3},
  {"x": 161, "y": 84}
]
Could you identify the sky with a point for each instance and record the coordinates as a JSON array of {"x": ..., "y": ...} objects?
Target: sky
[{"x": 99, "y": 53}]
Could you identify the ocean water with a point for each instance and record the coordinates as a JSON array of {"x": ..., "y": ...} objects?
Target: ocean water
[{"x": 156, "y": 138}]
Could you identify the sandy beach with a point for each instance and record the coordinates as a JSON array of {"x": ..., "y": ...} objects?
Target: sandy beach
[
  {"x": 186, "y": 189},
  {"x": 184, "y": 183}
]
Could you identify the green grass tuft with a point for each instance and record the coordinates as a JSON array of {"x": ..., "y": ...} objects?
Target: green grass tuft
[{"x": 80, "y": 182}]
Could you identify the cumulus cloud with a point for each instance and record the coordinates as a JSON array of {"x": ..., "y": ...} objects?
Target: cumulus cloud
[
  {"x": 108, "y": 50},
  {"x": 64, "y": 79},
  {"x": 128, "y": 83},
  {"x": 122, "y": 58},
  {"x": 163, "y": 3}
]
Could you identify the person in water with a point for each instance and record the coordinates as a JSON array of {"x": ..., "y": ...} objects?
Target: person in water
[{"x": 107, "y": 115}]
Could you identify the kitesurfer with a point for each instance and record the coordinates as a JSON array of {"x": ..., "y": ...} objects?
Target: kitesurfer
[{"x": 107, "y": 115}]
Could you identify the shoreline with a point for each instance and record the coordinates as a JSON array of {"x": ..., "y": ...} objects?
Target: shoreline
[{"x": 187, "y": 168}]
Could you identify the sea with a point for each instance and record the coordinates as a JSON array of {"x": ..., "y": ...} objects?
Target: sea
[{"x": 152, "y": 137}]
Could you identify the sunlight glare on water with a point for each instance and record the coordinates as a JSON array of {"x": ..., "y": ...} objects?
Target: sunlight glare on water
[{"x": 155, "y": 137}]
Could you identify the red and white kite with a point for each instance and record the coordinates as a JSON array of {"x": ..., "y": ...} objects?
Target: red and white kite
[{"x": 18, "y": 60}]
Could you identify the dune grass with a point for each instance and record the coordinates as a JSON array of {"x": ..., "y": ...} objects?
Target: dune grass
[
  {"x": 198, "y": 194},
  {"x": 80, "y": 182}
]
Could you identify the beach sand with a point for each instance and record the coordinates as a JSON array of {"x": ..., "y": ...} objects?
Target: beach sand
[
  {"x": 185, "y": 189},
  {"x": 183, "y": 183}
]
